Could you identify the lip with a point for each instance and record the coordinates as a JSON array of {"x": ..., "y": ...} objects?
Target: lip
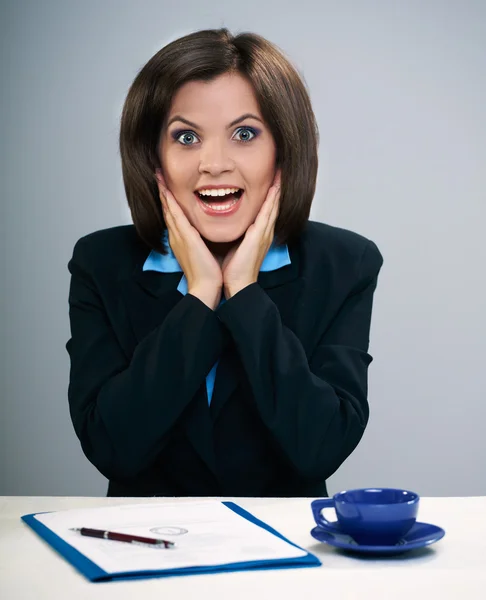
[
  {"x": 219, "y": 213},
  {"x": 217, "y": 187}
]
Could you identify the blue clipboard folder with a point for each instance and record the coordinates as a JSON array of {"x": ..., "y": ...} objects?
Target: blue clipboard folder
[{"x": 95, "y": 573}]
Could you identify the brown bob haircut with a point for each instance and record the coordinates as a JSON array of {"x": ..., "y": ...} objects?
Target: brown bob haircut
[{"x": 281, "y": 95}]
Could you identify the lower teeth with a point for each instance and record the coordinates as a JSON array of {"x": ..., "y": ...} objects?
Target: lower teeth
[{"x": 218, "y": 206}]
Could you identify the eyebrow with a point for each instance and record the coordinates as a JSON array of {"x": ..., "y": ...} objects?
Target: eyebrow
[{"x": 235, "y": 122}]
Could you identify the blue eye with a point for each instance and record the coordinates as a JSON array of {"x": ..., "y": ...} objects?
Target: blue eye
[
  {"x": 247, "y": 129},
  {"x": 188, "y": 135},
  {"x": 184, "y": 134}
]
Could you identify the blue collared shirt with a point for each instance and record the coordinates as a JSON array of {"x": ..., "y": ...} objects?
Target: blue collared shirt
[{"x": 276, "y": 258}]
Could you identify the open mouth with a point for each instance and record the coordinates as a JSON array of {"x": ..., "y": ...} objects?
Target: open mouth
[
  {"x": 220, "y": 205},
  {"x": 222, "y": 199}
]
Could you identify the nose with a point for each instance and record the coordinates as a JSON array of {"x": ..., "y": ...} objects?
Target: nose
[{"x": 215, "y": 158}]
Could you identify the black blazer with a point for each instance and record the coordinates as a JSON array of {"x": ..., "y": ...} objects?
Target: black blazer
[{"x": 290, "y": 396}]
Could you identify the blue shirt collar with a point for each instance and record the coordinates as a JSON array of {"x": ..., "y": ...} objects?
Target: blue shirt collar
[{"x": 276, "y": 258}]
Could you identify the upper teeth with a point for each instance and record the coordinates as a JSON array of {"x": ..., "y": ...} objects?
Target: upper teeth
[{"x": 222, "y": 192}]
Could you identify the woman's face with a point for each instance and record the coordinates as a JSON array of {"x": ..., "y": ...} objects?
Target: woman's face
[{"x": 218, "y": 148}]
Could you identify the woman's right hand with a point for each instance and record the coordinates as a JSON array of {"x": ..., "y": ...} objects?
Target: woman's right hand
[{"x": 202, "y": 270}]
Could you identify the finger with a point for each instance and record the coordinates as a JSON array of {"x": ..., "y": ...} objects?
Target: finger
[
  {"x": 170, "y": 208},
  {"x": 276, "y": 200},
  {"x": 275, "y": 205},
  {"x": 265, "y": 210},
  {"x": 178, "y": 217},
  {"x": 177, "y": 214},
  {"x": 270, "y": 208},
  {"x": 270, "y": 224},
  {"x": 270, "y": 227},
  {"x": 165, "y": 205},
  {"x": 161, "y": 187},
  {"x": 172, "y": 230},
  {"x": 169, "y": 219},
  {"x": 169, "y": 204},
  {"x": 159, "y": 176},
  {"x": 161, "y": 184},
  {"x": 164, "y": 192}
]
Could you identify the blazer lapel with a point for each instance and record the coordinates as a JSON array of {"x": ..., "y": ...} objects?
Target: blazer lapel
[
  {"x": 149, "y": 297},
  {"x": 283, "y": 287},
  {"x": 199, "y": 428},
  {"x": 228, "y": 377}
]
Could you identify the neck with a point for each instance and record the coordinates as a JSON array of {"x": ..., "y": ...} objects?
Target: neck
[{"x": 221, "y": 249}]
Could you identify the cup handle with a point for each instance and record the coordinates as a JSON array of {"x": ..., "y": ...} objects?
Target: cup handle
[{"x": 317, "y": 506}]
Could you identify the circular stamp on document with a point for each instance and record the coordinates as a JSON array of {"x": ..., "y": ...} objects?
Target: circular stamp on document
[{"x": 169, "y": 530}]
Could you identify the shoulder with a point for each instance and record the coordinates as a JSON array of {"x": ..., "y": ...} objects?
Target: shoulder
[
  {"x": 328, "y": 246},
  {"x": 110, "y": 249}
]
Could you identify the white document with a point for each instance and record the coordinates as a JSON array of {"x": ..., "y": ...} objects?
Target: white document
[{"x": 205, "y": 533}]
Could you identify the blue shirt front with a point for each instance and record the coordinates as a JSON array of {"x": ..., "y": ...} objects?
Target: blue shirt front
[{"x": 276, "y": 258}]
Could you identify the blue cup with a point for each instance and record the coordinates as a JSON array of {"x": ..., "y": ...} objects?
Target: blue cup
[{"x": 371, "y": 516}]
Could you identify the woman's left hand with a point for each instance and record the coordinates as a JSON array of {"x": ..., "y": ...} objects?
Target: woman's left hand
[{"x": 242, "y": 264}]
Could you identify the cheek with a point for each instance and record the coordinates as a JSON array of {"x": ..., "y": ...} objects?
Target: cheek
[
  {"x": 176, "y": 167},
  {"x": 261, "y": 169},
  {"x": 261, "y": 179}
]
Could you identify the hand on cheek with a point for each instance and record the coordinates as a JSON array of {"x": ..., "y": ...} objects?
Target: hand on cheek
[
  {"x": 202, "y": 271},
  {"x": 242, "y": 264}
]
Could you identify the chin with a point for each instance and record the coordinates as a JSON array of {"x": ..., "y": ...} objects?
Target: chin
[{"x": 224, "y": 236}]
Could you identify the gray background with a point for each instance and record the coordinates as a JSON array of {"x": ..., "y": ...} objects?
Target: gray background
[{"x": 399, "y": 90}]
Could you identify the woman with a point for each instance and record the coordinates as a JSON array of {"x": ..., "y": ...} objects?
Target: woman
[{"x": 219, "y": 346}]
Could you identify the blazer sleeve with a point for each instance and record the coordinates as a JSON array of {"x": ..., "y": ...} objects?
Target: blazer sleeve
[
  {"x": 123, "y": 409},
  {"x": 315, "y": 409}
]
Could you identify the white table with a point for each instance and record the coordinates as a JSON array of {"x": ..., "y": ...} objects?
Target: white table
[{"x": 454, "y": 567}]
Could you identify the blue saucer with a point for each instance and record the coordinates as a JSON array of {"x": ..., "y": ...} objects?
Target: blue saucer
[{"x": 421, "y": 534}]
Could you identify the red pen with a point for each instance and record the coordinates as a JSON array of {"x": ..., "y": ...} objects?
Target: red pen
[{"x": 122, "y": 537}]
